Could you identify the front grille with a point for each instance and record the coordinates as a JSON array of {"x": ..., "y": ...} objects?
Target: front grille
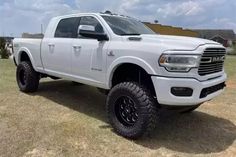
[{"x": 212, "y": 61}]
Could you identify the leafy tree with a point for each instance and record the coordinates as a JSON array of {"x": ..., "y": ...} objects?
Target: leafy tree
[
  {"x": 3, "y": 51},
  {"x": 2, "y": 43}
]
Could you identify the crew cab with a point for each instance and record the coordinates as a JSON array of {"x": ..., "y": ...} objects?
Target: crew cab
[{"x": 139, "y": 70}]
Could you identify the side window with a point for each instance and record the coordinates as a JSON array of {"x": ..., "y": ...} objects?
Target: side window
[
  {"x": 91, "y": 21},
  {"x": 67, "y": 28}
]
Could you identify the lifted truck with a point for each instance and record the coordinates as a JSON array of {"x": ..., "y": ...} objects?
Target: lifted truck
[{"x": 141, "y": 71}]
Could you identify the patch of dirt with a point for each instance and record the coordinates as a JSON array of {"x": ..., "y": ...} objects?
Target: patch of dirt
[{"x": 231, "y": 84}]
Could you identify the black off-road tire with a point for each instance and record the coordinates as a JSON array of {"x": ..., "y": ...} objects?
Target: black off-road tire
[
  {"x": 27, "y": 78},
  {"x": 146, "y": 109},
  {"x": 189, "y": 109}
]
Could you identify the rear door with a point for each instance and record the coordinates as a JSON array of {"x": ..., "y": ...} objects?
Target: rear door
[{"x": 56, "y": 52}]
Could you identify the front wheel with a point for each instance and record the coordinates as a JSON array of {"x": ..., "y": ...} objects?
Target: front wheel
[
  {"x": 132, "y": 110},
  {"x": 27, "y": 78}
]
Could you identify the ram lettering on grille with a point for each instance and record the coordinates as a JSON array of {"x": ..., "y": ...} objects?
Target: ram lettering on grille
[{"x": 212, "y": 61}]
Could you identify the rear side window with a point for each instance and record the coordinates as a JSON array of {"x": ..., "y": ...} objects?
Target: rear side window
[{"x": 67, "y": 28}]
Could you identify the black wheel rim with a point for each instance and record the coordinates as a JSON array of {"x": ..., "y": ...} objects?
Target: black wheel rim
[
  {"x": 126, "y": 111},
  {"x": 22, "y": 77}
]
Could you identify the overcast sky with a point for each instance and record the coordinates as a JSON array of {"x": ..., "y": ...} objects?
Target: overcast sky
[{"x": 17, "y": 16}]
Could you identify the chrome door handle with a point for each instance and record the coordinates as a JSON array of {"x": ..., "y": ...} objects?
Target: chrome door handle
[
  {"x": 111, "y": 53},
  {"x": 77, "y": 47},
  {"x": 51, "y": 45}
]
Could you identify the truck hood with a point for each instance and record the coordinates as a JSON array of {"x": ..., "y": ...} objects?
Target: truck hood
[{"x": 176, "y": 42}]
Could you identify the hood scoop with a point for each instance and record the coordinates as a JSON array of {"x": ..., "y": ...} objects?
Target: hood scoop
[{"x": 134, "y": 38}]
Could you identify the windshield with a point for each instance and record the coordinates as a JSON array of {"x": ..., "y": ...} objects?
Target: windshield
[{"x": 126, "y": 26}]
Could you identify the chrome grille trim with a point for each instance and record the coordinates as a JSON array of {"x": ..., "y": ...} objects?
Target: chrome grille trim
[{"x": 212, "y": 61}]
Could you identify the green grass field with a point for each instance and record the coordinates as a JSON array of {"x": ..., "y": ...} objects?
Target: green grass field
[{"x": 66, "y": 120}]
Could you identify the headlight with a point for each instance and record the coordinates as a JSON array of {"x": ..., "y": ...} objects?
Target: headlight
[{"x": 179, "y": 63}]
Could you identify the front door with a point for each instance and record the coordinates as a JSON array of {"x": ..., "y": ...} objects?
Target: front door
[{"x": 89, "y": 55}]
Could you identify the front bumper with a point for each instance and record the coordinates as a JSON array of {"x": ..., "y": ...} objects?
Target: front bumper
[{"x": 163, "y": 87}]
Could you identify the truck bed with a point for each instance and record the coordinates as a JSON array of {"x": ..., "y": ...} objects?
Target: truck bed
[{"x": 27, "y": 45}]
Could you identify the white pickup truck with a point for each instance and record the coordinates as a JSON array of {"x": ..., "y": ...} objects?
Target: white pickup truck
[{"x": 139, "y": 70}]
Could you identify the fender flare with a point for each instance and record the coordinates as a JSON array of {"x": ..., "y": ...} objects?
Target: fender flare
[
  {"x": 20, "y": 51},
  {"x": 130, "y": 60}
]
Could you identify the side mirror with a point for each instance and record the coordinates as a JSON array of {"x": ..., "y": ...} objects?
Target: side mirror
[
  {"x": 89, "y": 32},
  {"x": 87, "y": 28}
]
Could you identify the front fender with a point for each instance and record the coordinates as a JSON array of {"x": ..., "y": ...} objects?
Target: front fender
[{"x": 127, "y": 59}]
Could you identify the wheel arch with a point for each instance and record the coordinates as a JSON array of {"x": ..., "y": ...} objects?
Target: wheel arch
[
  {"x": 140, "y": 64},
  {"x": 22, "y": 53},
  {"x": 127, "y": 60}
]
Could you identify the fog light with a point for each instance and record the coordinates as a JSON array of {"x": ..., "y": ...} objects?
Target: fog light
[{"x": 182, "y": 91}]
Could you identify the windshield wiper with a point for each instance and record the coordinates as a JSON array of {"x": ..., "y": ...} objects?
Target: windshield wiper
[{"x": 130, "y": 34}]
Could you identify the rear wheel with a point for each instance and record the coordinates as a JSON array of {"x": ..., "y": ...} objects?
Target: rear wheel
[
  {"x": 27, "y": 78},
  {"x": 132, "y": 111}
]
